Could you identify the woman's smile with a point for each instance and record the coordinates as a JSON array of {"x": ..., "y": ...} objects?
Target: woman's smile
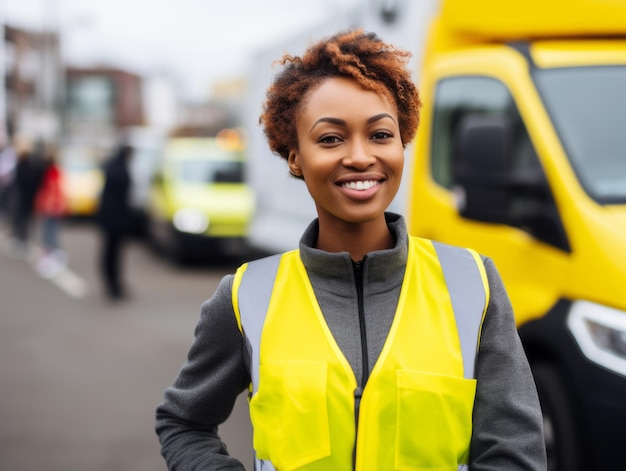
[{"x": 360, "y": 188}]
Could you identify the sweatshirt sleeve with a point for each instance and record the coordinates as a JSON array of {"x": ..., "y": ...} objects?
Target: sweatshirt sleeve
[
  {"x": 507, "y": 421},
  {"x": 203, "y": 394}
]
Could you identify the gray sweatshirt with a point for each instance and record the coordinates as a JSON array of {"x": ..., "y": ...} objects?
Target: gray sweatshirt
[{"x": 507, "y": 423}]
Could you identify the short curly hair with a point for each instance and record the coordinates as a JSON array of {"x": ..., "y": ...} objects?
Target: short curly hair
[{"x": 364, "y": 57}]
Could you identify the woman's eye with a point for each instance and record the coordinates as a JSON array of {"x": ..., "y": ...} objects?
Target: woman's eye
[
  {"x": 329, "y": 139},
  {"x": 382, "y": 135}
]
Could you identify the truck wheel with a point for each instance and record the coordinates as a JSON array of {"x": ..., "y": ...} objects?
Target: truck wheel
[
  {"x": 164, "y": 242},
  {"x": 560, "y": 427},
  {"x": 175, "y": 249}
]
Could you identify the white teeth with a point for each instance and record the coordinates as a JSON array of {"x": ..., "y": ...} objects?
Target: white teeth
[{"x": 360, "y": 185}]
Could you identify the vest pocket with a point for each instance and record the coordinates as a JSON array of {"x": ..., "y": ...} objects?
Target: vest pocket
[
  {"x": 289, "y": 414},
  {"x": 434, "y": 421}
]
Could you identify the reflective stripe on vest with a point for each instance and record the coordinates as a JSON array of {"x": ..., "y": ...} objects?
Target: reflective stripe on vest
[
  {"x": 253, "y": 298},
  {"x": 466, "y": 284},
  {"x": 465, "y": 281}
]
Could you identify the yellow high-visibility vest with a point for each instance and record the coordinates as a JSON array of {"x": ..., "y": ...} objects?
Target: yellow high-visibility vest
[{"x": 416, "y": 409}]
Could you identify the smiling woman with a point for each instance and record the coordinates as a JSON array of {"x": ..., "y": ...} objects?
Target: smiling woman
[{"x": 365, "y": 348}]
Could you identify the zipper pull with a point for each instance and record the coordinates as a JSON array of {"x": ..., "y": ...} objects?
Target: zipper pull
[{"x": 358, "y": 393}]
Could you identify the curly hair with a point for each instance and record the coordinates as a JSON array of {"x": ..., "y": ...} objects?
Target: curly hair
[{"x": 361, "y": 56}]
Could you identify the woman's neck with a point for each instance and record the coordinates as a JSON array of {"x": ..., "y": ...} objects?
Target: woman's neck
[{"x": 357, "y": 239}]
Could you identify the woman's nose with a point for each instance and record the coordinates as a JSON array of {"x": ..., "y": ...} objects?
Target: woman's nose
[{"x": 359, "y": 156}]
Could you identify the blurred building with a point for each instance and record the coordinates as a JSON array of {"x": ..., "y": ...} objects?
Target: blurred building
[
  {"x": 33, "y": 76},
  {"x": 222, "y": 110},
  {"x": 100, "y": 103},
  {"x": 44, "y": 99},
  {"x": 161, "y": 103}
]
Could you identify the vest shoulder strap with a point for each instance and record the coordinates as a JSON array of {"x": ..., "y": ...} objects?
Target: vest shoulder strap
[
  {"x": 466, "y": 279},
  {"x": 252, "y": 291}
]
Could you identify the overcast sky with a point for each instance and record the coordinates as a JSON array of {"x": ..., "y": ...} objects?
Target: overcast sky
[{"x": 196, "y": 41}]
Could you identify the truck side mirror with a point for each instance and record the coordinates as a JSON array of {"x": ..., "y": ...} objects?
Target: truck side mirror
[
  {"x": 490, "y": 191},
  {"x": 480, "y": 169}
]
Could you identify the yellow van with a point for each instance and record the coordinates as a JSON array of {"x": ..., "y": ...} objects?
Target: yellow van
[
  {"x": 521, "y": 154},
  {"x": 82, "y": 179},
  {"x": 198, "y": 203}
]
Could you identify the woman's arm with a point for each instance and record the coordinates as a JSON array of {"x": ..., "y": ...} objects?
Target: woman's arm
[
  {"x": 507, "y": 421},
  {"x": 205, "y": 390}
]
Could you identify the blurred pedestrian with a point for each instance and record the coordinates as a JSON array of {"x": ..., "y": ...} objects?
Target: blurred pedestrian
[
  {"x": 113, "y": 219},
  {"x": 8, "y": 161},
  {"x": 50, "y": 207},
  {"x": 25, "y": 185}
]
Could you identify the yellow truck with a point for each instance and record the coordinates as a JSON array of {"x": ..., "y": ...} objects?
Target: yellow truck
[
  {"x": 198, "y": 204},
  {"x": 521, "y": 154}
]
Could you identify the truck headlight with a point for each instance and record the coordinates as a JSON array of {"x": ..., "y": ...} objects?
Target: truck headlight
[
  {"x": 600, "y": 332},
  {"x": 190, "y": 220}
]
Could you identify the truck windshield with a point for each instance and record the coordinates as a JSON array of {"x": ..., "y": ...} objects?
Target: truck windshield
[
  {"x": 211, "y": 171},
  {"x": 588, "y": 108}
]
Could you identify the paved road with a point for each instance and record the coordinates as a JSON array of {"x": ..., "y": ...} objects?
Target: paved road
[{"x": 80, "y": 377}]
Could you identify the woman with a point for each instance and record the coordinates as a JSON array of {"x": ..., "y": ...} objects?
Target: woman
[
  {"x": 51, "y": 206},
  {"x": 365, "y": 348}
]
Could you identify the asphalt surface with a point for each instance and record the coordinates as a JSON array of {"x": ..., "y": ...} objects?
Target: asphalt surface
[{"x": 80, "y": 377}]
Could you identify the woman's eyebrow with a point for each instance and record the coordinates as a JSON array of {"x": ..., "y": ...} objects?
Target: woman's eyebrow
[
  {"x": 330, "y": 120},
  {"x": 341, "y": 122},
  {"x": 380, "y": 116}
]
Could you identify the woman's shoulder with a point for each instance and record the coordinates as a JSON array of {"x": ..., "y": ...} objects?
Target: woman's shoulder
[{"x": 217, "y": 311}]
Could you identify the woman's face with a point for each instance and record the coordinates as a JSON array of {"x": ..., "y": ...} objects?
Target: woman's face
[{"x": 350, "y": 152}]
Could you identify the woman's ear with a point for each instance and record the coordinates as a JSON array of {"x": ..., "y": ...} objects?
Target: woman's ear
[{"x": 294, "y": 167}]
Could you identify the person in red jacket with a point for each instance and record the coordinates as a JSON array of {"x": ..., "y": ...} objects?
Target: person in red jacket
[{"x": 50, "y": 207}]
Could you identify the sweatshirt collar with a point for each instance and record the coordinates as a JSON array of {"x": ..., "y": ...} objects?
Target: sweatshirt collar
[{"x": 382, "y": 269}]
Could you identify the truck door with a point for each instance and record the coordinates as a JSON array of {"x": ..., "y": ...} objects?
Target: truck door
[{"x": 507, "y": 210}]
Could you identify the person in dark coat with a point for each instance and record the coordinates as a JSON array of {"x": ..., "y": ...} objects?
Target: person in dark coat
[
  {"x": 113, "y": 218},
  {"x": 26, "y": 180}
]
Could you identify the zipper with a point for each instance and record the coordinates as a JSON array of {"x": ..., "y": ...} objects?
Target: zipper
[{"x": 365, "y": 370}]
